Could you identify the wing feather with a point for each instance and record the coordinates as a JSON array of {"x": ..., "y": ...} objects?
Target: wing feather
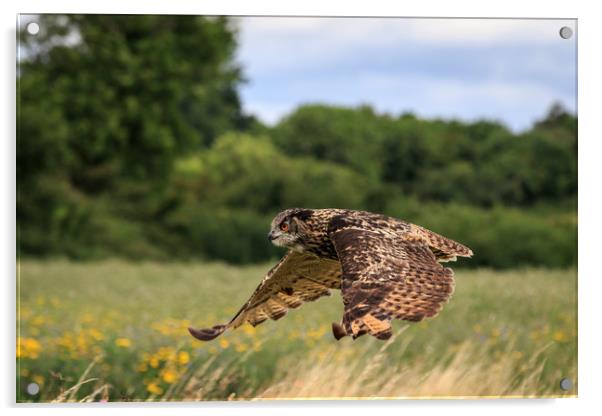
[
  {"x": 388, "y": 276},
  {"x": 296, "y": 279},
  {"x": 443, "y": 248}
]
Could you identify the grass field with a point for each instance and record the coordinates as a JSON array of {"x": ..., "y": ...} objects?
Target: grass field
[{"x": 115, "y": 330}]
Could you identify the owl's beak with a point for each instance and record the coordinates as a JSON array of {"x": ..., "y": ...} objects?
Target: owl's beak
[{"x": 271, "y": 236}]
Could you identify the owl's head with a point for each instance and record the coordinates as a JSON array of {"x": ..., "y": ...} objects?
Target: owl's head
[{"x": 290, "y": 228}]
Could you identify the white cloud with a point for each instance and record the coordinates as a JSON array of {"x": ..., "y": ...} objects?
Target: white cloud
[
  {"x": 512, "y": 70},
  {"x": 277, "y": 43},
  {"x": 516, "y": 104}
]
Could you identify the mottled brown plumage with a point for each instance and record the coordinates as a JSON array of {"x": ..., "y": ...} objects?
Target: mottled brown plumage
[{"x": 386, "y": 269}]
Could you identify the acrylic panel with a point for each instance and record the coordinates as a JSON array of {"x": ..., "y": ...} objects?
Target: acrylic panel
[{"x": 416, "y": 180}]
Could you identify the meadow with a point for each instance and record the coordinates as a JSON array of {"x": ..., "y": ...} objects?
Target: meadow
[{"x": 116, "y": 330}]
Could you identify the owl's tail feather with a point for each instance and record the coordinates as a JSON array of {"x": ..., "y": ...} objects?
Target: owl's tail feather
[
  {"x": 367, "y": 324},
  {"x": 207, "y": 334}
]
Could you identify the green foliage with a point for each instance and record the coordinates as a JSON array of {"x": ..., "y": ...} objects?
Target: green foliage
[
  {"x": 500, "y": 237},
  {"x": 126, "y": 94},
  {"x": 481, "y": 163},
  {"x": 340, "y": 135},
  {"x": 132, "y": 142},
  {"x": 245, "y": 171}
]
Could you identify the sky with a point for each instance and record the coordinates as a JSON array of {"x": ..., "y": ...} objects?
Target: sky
[{"x": 506, "y": 70}]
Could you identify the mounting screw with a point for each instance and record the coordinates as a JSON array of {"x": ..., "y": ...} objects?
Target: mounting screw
[
  {"x": 566, "y": 384},
  {"x": 33, "y": 389},
  {"x": 33, "y": 28},
  {"x": 566, "y": 32}
]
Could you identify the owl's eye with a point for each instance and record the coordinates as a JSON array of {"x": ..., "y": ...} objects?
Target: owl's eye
[{"x": 284, "y": 227}]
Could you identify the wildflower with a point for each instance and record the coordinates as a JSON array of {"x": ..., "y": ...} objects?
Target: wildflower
[
  {"x": 39, "y": 379},
  {"x": 96, "y": 334},
  {"x": 183, "y": 358},
  {"x": 38, "y": 320},
  {"x": 169, "y": 375},
  {"x": 123, "y": 342},
  {"x": 154, "y": 362},
  {"x": 241, "y": 347},
  {"x": 154, "y": 388},
  {"x": 224, "y": 343},
  {"x": 249, "y": 329},
  {"x": 28, "y": 348},
  {"x": 560, "y": 336},
  {"x": 166, "y": 354}
]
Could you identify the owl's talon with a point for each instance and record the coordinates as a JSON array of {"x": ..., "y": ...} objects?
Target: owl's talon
[{"x": 338, "y": 331}]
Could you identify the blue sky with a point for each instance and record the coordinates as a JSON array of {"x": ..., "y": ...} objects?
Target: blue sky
[{"x": 506, "y": 70}]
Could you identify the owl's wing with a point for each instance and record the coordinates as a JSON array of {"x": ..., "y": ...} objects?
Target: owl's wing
[
  {"x": 297, "y": 278},
  {"x": 443, "y": 248},
  {"x": 387, "y": 276}
]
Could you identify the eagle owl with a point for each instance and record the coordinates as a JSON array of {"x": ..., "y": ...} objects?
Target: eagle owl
[{"x": 384, "y": 267}]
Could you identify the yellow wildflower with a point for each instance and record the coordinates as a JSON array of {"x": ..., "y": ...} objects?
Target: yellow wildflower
[
  {"x": 123, "y": 342},
  {"x": 96, "y": 334},
  {"x": 169, "y": 375},
  {"x": 183, "y": 358},
  {"x": 249, "y": 329},
  {"x": 166, "y": 354},
  {"x": 560, "y": 336},
  {"x": 154, "y": 388},
  {"x": 224, "y": 343},
  {"x": 154, "y": 362},
  {"x": 38, "y": 379},
  {"x": 38, "y": 320},
  {"x": 241, "y": 347},
  {"x": 28, "y": 347}
]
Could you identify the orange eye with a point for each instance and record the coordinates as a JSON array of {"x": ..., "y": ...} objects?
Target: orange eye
[{"x": 284, "y": 227}]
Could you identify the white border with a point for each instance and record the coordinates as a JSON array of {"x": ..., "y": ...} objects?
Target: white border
[{"x": 589, "y": 206}]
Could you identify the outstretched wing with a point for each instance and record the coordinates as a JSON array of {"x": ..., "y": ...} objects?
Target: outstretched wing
[
  {"x": 297, "y": 278},
  {"x": 388, "y": 275}
]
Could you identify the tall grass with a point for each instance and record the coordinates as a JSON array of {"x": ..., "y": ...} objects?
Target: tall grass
[{"x": 117, "y": 331}]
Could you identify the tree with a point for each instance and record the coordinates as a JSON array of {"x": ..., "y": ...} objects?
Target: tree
[
  {"x": 106, "y": 105},
  {"x": 127, "y": 94}
]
